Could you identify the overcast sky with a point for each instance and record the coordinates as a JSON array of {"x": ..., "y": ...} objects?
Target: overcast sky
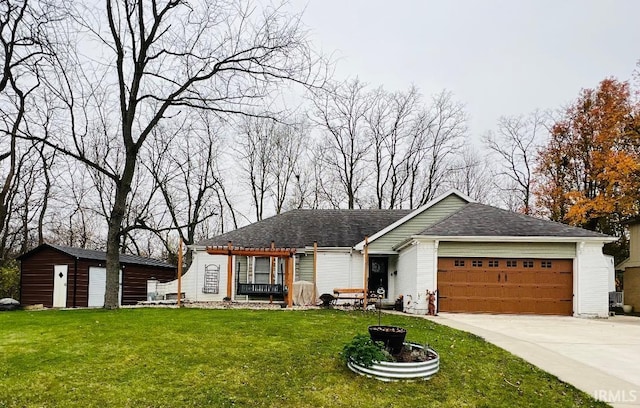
[{"x": 497, "y": 57}]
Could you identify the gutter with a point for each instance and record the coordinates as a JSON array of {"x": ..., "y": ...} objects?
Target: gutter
[{"x": 448, "y": 238}]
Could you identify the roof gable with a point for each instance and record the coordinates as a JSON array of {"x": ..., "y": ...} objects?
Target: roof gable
[
  {"x": 479, "y": 220},
  {"x": 91, "y": 254},
  {"x": 300, "y": 228},
  {"x": 453, "y": 193}
]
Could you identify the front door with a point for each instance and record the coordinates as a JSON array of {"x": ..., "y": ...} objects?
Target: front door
[
  {"x": 60, "y": 285},
  {"x": 378, "y": 276}
]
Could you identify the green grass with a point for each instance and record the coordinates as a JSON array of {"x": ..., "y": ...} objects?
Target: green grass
[{"x": 246, "y": 358}]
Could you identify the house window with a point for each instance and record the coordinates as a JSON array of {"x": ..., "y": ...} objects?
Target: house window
[
  {"x": 261, "y": 270},
  {"x": 458, "y": 262},
  {"x": 476, "y": 263},
  {"x": 494, "y": 263},
  {"x": 545, "y": 264},
  {"x": 211, "y": 279},
  {"x": 512, "y": 264},
  {"x": 527, "y": 264}
]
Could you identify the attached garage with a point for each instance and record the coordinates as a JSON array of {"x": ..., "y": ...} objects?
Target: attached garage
[
  {"x": 483, "y": 259},
  {"x": 499, "y": 285}
]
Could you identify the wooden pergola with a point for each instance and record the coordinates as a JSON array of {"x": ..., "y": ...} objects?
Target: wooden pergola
[{"x": 272, "y": 252}]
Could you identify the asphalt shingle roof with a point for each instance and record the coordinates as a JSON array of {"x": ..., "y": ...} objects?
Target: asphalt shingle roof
[
  {"x": 300, "y": 228},
  {"x": 102, "y": 256},
  {"x": 483, "y": 220}
]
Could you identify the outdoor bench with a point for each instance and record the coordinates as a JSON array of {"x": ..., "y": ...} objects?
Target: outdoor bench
[{"x": 349, "y": 294}]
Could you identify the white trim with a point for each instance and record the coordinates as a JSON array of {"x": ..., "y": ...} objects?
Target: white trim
[
  {"x": 428, "y": 238},
  {"x": 499, "y": 238},
  {"x": 360, "y": 245},
  {"x": 330, "y": 249},
  {"x": 389, "y": 253}
]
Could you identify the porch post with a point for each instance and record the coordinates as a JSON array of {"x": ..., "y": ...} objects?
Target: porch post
[
  {"x": 366, "y": 270},
  {"x": 179, "y": 271},
  {"x": 315, "y": 272},
  {"x": 289, "y": 277},
  {"x": 229, "y": 270},
  {"x": 272, "y": 269}
]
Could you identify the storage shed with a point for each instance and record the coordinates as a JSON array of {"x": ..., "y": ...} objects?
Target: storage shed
[{"x": 60, "y": 276}]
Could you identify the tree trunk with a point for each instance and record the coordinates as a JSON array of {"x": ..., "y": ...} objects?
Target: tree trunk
[{"x": 123, "y": 188}]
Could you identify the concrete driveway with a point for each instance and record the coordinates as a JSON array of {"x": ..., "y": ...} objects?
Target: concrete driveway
[{"x": 599, "y": 356}]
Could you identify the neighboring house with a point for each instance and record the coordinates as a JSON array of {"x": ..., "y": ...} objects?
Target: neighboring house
[
  {"x": 479, "y": 258},
  {"x": 59, "y": 276},
  {"x": 631, "y": 267}
]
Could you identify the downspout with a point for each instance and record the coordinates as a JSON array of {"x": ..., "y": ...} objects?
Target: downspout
[
  {"x": 576, "y": 273},
  {"x": 75, "y": 280}
]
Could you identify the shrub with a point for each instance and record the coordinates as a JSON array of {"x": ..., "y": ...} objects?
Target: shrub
[
  {"x": 10, "y": 280},
  {"x": 364, "y": 351}
]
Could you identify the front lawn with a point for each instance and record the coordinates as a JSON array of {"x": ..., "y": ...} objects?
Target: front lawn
[{"x": 246, "y": 358}]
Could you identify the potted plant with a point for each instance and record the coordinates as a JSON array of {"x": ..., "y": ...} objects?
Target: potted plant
[{"x": 391, "y": 336}]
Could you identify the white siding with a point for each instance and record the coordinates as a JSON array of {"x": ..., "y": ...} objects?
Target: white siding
[
  {"x": 427, "y": 267},
  {"x": 357, "y": 271},
  {"x": 591, "y": 281},
  {"x": 405, "y": 281},
  {"x": 393, "y": 267},
  {"x": 335, "y": 270},
  {"x": 193, "y": 280}
]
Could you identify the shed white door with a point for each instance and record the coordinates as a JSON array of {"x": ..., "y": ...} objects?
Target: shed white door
[
  {"x": 60, "y": 285},
  {"x": 98, "y": 285}
]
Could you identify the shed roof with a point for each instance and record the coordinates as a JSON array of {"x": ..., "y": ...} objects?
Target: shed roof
[
  {"x": 478, "y": 220},
  {"x": 91, "y": 254},
  {"x": 300, "y": 228}
]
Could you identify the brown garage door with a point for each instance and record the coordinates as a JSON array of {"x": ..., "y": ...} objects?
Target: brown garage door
[{"x": 489, "y": 285}]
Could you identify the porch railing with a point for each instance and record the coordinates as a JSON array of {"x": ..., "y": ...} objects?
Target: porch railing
[{"x": 266, "y": 289}]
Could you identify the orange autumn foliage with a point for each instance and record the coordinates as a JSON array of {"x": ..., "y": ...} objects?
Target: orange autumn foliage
[{"x": 589, "y": 172}]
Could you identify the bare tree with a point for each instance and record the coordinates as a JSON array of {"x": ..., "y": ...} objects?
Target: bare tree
[
  {"x": 391, "y": 121},
  {"x": 184, "y": 166},
  {"x": 438, "y": 136},
  {"x": 158, "y": 58},
  {"x": 306, "y": 183},
  {"x": 24, "y": 49},
  {"x": 256, "y": 151},
  {"x": 268, "y": 153},
  {"x": 288, "y": 146},
  {"x": 470, "y": 174},
  {"x": 340, "y": 113},
  {"x": 76, "y": 219},
  {"x": 515, "y": 145}
]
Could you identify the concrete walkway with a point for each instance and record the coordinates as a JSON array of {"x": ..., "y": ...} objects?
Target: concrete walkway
[{"x": 599, "y": 356}]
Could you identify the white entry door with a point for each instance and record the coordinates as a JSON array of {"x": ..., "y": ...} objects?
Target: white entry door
[
  {"x": 60, "y": 285},
  {"x": 98, "y": 286}
]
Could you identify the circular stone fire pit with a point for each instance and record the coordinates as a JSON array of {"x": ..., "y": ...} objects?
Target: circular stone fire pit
[{"x": 395, "y": 371}]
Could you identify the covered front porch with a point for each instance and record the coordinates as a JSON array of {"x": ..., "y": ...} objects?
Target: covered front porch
[{"x": 272, "y": 271}]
